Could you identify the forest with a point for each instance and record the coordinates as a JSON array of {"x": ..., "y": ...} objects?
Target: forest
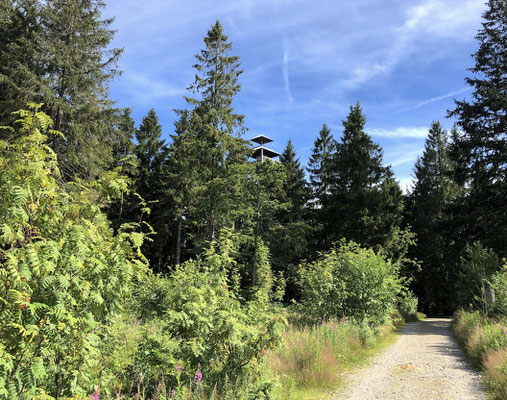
[{"x": 135, "y": 267}]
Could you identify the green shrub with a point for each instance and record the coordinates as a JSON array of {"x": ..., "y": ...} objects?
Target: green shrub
[
  {"x": 63, "y": 273},
  {"x": 499, "y": 285},
  {"x": 194, "y": 319},
  {"x": 477, "y": 268},
  {"x": 485, "y": 342},
  {"x": 407, "y": 305},
  {"x": 350, "y": 281}
]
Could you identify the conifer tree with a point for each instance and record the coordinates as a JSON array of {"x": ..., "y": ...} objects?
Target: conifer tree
[
  {"x": 56, "y": 52},
  {"x": 320, "y": 166},
  {"x": 481, "y": 147},
  {"x": 21, "y": 63},
  {"x": 366, "y": 202},
  {"x": 150, "y": 183},
  {"x": 433, "y": 192},
  {"x": 214, "y": 134},
  {"x": 295, "y": 187}
]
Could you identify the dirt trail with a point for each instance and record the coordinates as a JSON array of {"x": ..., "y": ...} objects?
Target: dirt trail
[{"x": 424, "y": 364}]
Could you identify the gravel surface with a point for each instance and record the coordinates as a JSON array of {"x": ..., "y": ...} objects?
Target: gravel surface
[{"x": 424, "y": 364}]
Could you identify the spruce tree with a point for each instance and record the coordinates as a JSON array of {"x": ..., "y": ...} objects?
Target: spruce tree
[
  {"x": 150, "y": 183},
  {"x": 366, "y": 201},
  {"x": 481, "y": 147},
  {"x": 214, "y": 135},
  {"x": 320, "y": 166},
  {"x": 433, "y": 192},
  {"x": 295, "y": 187},
  {"x": 289, "y": 238},
  {"x": 57, "y": 53},
  {"x": 21, "y": 61}
]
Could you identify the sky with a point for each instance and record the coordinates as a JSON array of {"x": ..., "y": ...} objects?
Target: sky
[{"x": 305, "y": 63}]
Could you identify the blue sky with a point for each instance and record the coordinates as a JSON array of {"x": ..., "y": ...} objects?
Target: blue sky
[{"x": 306, "y": 62}]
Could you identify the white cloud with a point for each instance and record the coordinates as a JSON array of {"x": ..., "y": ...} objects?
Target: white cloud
[
  {"x": 285, "y": 71},
  {"x": 431, "y": 20},
  {"x": 406, "y": 184},
  {"x": 400, "y": 132},
  {"x": 148, "y": 89},
  {"x": 434, "y": 99}
]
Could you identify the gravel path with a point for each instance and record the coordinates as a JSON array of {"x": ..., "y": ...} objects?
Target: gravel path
[{"x": 424, "y": 364}]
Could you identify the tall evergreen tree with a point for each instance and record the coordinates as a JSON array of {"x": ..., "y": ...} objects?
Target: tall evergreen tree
[
  {"x": 295, "y": 187},
  {"x": 21, "y": 61},
  {"x": 320, "y": 166},
  {"x": 289, "y": 239},
  {"x": 150, "y": 183},
  {"x": 433, "y": 192},
  {"x": 366, "y": 203},
  {"x": 481, "y": 147},
  {"x": 57, "y": 53},
  {"x": 214, "y": 135}
]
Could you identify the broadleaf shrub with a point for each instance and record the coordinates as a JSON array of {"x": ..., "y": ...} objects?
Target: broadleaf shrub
[
  {"x": 63, "y": 273},
  {"x": 350, "y": 281}
]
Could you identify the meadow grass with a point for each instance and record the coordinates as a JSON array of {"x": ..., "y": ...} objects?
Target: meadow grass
[
  {"x": 485, "y": 343},
  {"x": 312, "y": 361}
]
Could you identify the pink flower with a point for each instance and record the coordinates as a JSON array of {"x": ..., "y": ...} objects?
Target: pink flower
[
  {"x": 198, "y": 377},
  {"x": 480, "y": 332}
]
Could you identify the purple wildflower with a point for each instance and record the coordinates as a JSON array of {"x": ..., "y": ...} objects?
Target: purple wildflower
[
  {"x": 333, "y": 326},
  {"x": 95, "y": 396},
  {"x": 198, "y": 377},
  {"x": 178, "y": 368},
  {"x": 343, "y": 320},
  {"x": 480, "y": 332}
]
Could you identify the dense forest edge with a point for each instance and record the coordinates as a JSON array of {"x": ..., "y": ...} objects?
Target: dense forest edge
[{"x": 132, "y": 267}]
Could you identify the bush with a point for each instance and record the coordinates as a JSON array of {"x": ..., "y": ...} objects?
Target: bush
[
  {"x": 407, "y": 305},
  {"x": 63, "y": 273},
  {"x": 485, "y": 342},
  {"x": 350, "y": 281},
  {"x": 195, "y": 320},
  {"x": 499, "y": 285},
  {"x": 477, "y": 267}
]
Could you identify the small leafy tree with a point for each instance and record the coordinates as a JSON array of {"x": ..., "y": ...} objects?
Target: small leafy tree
[
  {"x": 350, "y": 281},
  {"x": 476, "y": 270},
  {"x": 63, "y": 273}
]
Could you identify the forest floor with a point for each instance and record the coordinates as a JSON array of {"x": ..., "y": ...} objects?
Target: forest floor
[{"x": 424, "y": 364}]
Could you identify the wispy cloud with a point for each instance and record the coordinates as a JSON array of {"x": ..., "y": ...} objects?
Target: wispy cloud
[
  {"x": 434, "y": 99},
  {"x": 431, "y": 19},
  {"x": 285, "y": 71},
  {"x": 148, "y": 89},
  {"x": 400, "y": 132}
]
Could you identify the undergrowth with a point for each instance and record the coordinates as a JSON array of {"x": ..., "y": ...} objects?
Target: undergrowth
[{"x": 485, "y": 343}]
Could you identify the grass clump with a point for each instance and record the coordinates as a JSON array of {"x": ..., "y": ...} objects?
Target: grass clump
[
  {"x": 312, "y": 359},
  {"x": 485, "y": 342}
]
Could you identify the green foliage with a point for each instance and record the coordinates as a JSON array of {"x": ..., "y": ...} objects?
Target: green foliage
[
  {"x": 499, "y": 285},
  {"x": 194, "y": 319},
  {"x": 485, "y": 342},
  {"x": 407, "y": 305},
  {"x": 479, "y": 149},
  {"x": 350, "y": 281},
  {"x": 63, "y": 273},
  {"x": 476, "y": 269},
  {"x": 58, "y": 53}
]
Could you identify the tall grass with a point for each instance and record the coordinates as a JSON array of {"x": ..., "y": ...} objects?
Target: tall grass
[
  {"x": 485, "y": 342},
  {"x": 312, "y": 359}
]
